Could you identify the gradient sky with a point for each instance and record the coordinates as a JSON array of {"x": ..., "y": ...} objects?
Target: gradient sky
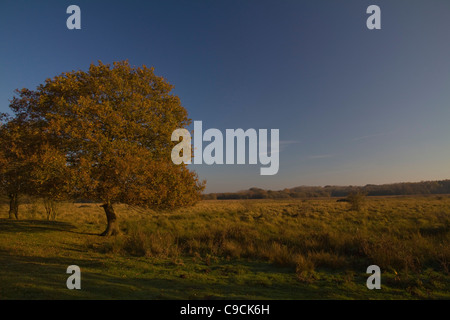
[{"x": 353, "y": 106}]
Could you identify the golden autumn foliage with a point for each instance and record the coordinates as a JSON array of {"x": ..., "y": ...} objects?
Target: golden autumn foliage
[
  {"x": 105, "y": 135},
  {"x": 17, "y": 160}
]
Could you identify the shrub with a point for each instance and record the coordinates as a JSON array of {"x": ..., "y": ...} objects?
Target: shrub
[{"x": 357, "y": 201}]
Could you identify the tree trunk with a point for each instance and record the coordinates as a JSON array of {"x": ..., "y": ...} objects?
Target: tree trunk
[
  {"x": 113, "y": 226},
  {"x": 13, "y": 206},
  {"x": 50, "y": 208}
]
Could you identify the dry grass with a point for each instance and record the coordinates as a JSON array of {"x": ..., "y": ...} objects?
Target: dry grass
[
  {"x": 408, "y": 237},
  {"x": 405, "y": 234}
]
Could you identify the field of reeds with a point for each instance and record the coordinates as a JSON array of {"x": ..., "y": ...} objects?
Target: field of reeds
[{"x": 232, "y": 249}]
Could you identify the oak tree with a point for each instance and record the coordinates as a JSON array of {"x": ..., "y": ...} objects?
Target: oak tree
[{"x": 111, "y": 127}]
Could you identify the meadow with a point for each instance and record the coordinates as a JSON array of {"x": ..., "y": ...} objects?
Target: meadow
[{"x": 231, "y": 249}]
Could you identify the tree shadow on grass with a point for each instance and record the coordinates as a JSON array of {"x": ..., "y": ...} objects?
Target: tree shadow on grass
[
  {"x": 33, "y": 226},
  {"x": 44, "y": 278},
  {"x": 34, "y": 277},
  {"x": 37, "y": 226},
  {"x": 37, "y": 277}
]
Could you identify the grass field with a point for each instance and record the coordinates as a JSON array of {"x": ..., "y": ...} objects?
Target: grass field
[{"x": 247, "y": 249}]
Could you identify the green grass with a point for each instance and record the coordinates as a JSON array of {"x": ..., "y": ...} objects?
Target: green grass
[{"x": 246, "y": 249}]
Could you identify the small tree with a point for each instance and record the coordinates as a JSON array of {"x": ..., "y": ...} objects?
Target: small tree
[
  {"x": 357, "y": 200},
  {"x": 15, "y": 164},
  {"x": 112, "y": 125},
  {"x": 28, "y": 164}
]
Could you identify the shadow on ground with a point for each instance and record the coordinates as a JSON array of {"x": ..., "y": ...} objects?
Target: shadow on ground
[
  {"x": 31, "y": 277},
  {"x": 37, "y": 226},
  {"x": 105, "y": 277},
  {"x": 7, "y": 225}
]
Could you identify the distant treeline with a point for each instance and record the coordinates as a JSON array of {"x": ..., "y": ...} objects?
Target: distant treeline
[{"x": 406, "y": 188}]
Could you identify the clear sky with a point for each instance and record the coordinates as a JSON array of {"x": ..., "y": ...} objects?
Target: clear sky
[{"x": 353, "y": 106}]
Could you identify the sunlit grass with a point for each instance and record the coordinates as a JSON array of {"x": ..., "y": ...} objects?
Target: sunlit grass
[{"x": 315, "y": 248}]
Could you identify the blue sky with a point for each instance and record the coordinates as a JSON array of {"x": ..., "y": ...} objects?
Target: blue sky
[{"x": 353, "y": 106}]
